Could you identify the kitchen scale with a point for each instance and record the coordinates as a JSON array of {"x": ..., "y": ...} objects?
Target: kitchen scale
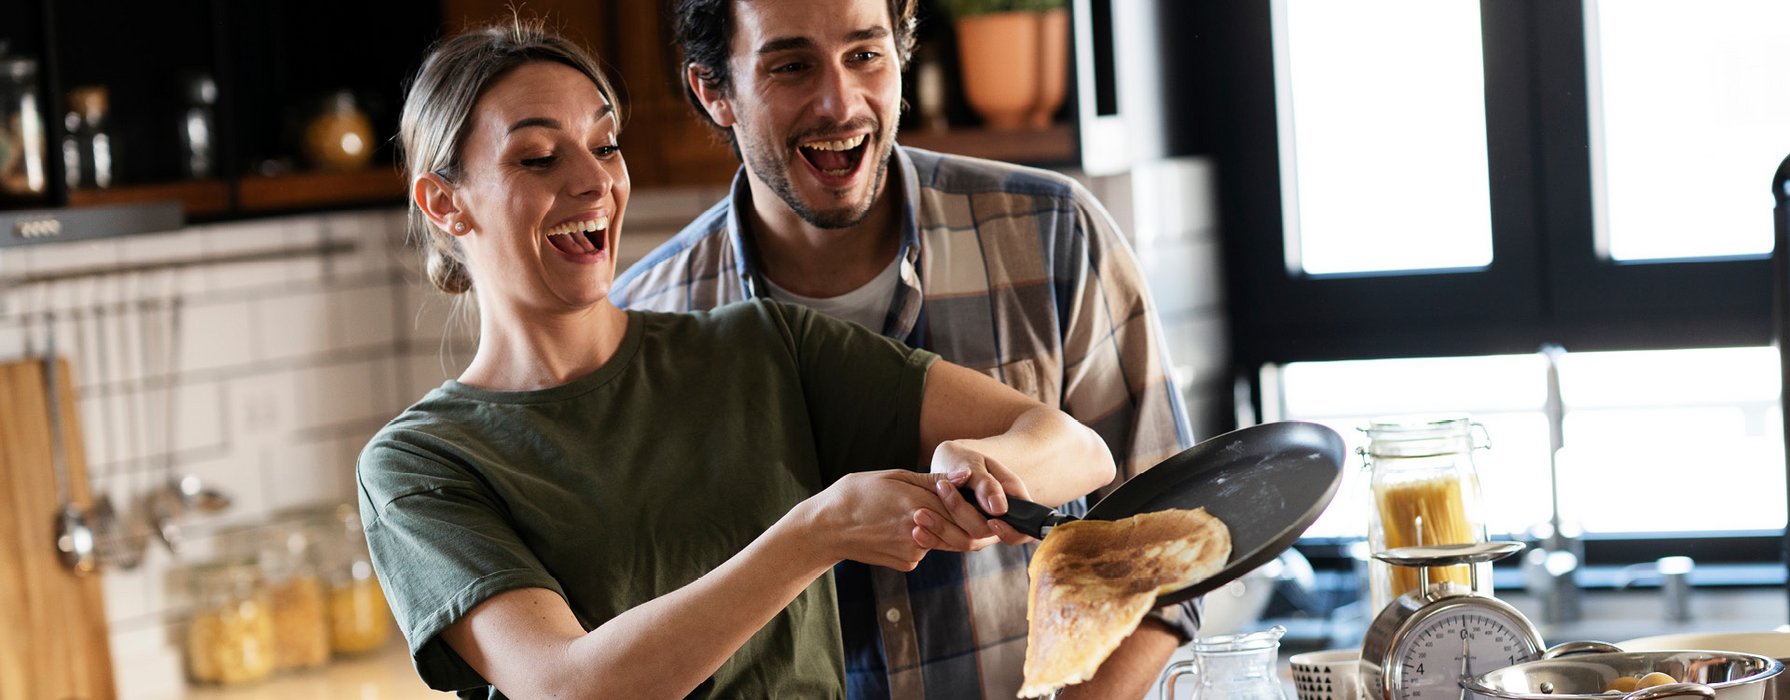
[{"x": 1424, "y": 643}]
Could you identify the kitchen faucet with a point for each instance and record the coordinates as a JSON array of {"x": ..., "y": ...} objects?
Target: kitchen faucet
[
  {"x": 1550, "y": 572},
  {"x": 1551, "y": 567},
  {"x": 1674, "y": 583}
]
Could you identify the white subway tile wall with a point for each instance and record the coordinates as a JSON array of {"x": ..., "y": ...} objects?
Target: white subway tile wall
[
  {"x": 1169, "y": 209},
  {"x": 284, "y": 368},
  {"x": 279, "y": 372}
]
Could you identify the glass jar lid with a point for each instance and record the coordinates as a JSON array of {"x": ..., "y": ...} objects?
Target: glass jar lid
[
  {"x": 1421, "y": 436},
  {"x": 1247, "y": 641},
  {"x": 220, "y": 581}
]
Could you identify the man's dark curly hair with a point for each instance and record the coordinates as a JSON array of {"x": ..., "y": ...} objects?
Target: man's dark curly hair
[{"x": 705, "y": 35}]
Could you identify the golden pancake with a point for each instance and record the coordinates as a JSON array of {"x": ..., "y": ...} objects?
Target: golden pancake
[{"x": 1093, "y": 581}]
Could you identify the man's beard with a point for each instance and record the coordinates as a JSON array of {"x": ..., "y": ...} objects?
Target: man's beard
[{"x": 774, "y": 169}]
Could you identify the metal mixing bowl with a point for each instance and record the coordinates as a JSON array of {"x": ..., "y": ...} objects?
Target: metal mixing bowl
[
  {"x": 1773, "y": 644},
  {"x": 1732, "y": 675}
]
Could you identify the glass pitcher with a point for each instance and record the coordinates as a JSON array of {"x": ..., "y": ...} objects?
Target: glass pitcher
[{"x": 1231, "y": 667}]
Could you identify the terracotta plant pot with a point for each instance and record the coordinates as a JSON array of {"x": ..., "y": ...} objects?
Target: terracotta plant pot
[
  {"x": 998, "y": 53},
  {"x": 1053, "y": 65}
]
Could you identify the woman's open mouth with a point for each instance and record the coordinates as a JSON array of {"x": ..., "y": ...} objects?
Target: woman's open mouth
[
  {"x": 834, "y": 160},
  {"x": 580, "y": 238}
]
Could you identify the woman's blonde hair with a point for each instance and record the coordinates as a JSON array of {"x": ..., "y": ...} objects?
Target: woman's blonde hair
[{"x": 438, "y": 111}]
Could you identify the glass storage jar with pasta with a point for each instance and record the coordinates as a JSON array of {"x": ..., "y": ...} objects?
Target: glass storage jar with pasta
[
  {"x": 359, "y": 620},
  {"x": 230, "y": 637},
  {"x": 295, "y": 590},
  {"x": 1426, "y": 492}
]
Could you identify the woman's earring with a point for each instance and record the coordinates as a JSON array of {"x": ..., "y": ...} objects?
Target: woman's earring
[{"x": 459, "y": 227}]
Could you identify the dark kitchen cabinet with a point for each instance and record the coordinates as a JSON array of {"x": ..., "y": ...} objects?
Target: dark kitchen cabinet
[
  {"x": 237, "y": 81},
  {"x": 273, "y": 62}
]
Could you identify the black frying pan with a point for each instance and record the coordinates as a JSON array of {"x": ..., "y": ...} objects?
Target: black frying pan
[{"x": 1267, "y": 483}]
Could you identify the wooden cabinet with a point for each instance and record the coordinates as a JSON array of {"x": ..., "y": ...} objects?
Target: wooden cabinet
[
  {"x": 681, "y": 148},
  {"x": 667, "y": 144},
  {"x": 962, "y": 131}
]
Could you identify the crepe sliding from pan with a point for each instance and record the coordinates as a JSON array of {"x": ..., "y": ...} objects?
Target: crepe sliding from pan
[{"x": 1093, "y": 581}]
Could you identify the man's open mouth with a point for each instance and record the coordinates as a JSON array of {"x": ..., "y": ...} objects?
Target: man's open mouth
[
  {"x": 587, "y": 237},
  {"x": 835, "y": 158}
]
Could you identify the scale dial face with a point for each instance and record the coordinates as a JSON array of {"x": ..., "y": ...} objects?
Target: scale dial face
[{"x": 1456, "y": 638}]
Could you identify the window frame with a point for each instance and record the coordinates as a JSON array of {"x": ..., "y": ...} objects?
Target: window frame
[{"x": 1547, "y": 283}]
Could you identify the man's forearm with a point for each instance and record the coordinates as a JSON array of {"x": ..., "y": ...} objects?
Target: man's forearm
[
  {"x": 1132, "y": 669},
  {"x": 1058, "y": 458}
]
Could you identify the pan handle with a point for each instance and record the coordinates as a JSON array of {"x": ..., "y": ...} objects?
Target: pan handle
[{"x": 1034, "y": 519}]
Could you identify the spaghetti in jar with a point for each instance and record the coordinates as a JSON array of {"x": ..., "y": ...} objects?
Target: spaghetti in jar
[{"x": 1426, "y": 492}]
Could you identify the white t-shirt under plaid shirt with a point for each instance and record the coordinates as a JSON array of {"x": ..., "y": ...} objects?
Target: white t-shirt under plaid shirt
[{"x": 1019, "y": 273}]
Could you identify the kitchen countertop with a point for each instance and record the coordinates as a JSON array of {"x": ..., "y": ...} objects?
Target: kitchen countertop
[
  {"x": 382, "y": 675},
  {"x": 387, "y": 674}
]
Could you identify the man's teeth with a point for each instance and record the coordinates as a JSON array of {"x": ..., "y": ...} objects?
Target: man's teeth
[
  {"x": 840, "y": 145},
  {"x": 587, "y": 226}
]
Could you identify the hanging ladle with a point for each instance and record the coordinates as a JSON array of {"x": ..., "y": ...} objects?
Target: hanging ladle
[
  {"x": 163, "y": 502},
  {"x": 116, "y": 546},
  {"x": 194, "y": 496},
  {"x": 176, "y": 496},
  {"x": 74, "y": 539}
]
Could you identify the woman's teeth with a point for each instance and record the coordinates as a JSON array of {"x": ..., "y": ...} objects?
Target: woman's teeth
[
  {"x": 579, "y": 237},
  {"x": 586, "y": 226}
]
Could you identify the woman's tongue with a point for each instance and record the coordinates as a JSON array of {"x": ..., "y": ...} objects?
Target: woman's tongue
[{"x": 577, "y": 243}]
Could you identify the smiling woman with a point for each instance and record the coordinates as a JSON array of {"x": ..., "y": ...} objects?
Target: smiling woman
[
  {"x": 609, "y": 500},
  {"x": 526, "y": 179}
]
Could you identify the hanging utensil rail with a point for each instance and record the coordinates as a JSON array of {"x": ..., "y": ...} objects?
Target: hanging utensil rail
[{"x": 326, "y": 249}]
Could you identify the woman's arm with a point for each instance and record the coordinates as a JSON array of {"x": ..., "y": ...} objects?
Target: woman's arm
[
  {"x": 528, "y": 643},
  {"x": 1008, "y": 442}
]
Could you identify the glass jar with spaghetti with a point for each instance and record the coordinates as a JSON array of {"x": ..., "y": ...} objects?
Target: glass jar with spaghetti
[{"x": 1426, "y": 492}]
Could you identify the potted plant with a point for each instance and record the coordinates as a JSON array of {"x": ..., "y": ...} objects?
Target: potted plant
[{"x": 1014, "y": 58}]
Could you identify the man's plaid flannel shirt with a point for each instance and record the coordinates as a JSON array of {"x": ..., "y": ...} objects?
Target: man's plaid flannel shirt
[{"x": 1019, "y": 273}]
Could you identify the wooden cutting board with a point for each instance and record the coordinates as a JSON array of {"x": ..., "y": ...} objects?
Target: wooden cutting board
[{"x": 53, "y": 640}]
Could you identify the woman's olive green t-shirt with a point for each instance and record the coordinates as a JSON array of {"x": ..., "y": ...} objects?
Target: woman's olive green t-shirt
[{"x": 628, "y": 483}]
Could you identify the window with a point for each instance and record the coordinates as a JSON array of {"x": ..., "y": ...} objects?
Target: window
[
  {"x": 1629, "y": 445},
  {"x": 1389, "y": 172},
  {"x": 1613, "y": 202},
  {"x": 1685, "y": 131},
  {"x": 1504, "y": 393}
]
